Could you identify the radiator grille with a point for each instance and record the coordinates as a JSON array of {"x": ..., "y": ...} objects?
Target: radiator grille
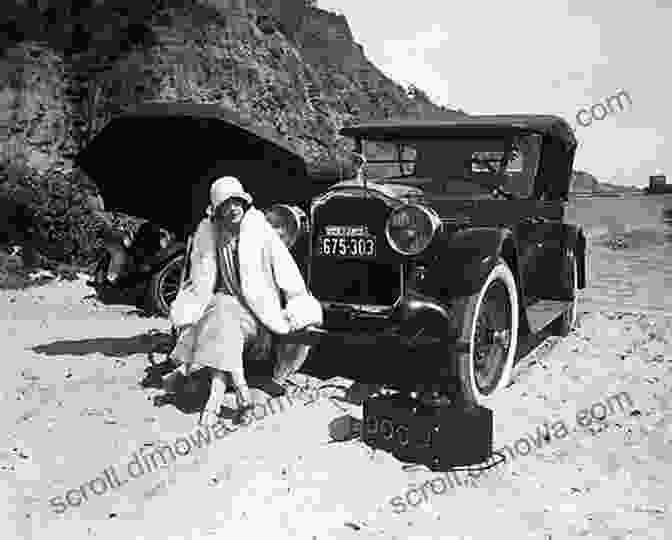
[{"x": 353, "y": 280}]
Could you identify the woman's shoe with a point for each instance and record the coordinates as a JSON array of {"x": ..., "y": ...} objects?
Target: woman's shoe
[
  {"x": 210, "y": 417},
  {"x": 244, "y": 414}
]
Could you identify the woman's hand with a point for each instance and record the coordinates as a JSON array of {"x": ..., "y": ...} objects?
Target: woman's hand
[
  {"x": 293, "y": 325},
  {"x": 179, "y": 330}
]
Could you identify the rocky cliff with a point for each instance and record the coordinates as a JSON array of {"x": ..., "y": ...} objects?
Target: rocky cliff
[
  {"x": 305, "y": 83},
  {"x": 68, "y": 67}
]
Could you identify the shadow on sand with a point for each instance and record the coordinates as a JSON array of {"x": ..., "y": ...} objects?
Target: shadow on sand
[
  {"x": 109, "y": 346},
  {"x": 190, "y": 394},
  {"x": 133, "y": 296}
]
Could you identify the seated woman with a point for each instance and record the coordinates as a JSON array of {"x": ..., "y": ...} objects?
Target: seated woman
[{"x": 244, "y": 286}]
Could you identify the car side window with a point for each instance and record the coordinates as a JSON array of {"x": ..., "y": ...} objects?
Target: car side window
[
  {"x": 524, "y": 166},
  {"x": 519, "y": 171}
]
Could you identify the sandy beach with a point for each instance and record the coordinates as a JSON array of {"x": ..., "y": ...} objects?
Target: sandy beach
[{"x": 73, "y": 409}]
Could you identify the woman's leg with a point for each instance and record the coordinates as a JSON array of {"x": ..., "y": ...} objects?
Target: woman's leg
[
  {"x": 219, "y": 344},
  {"x": 251, "y": 333},
  {"x": 217, "y": 391},
  {"x": 243, "y": 397},
  {"x": 221, "y": 335}
]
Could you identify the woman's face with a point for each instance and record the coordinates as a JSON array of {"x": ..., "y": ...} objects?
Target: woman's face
[{"x": 230, "y": 212}]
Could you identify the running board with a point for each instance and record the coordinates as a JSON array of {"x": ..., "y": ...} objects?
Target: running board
[{"x": 543, "y": 312}]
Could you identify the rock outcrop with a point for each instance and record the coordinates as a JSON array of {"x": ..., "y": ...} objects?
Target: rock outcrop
[
  {"x": 69, "y": 67},
  {"x": 291, "y": 67}
]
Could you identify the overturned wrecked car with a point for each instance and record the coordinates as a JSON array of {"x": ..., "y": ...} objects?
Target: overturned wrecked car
[{"x": 156, "y": 161}]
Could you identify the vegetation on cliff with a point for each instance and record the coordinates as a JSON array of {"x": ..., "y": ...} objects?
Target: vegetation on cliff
[{"x": 68, "y": 67}]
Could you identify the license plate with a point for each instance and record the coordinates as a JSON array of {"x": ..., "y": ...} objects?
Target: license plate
[{"x": 347, "y": 241}]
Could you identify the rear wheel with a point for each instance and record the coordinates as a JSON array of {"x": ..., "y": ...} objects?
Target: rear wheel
[
  {"x": 488, "y": 321},
  {"x": 164, "y": 285}
]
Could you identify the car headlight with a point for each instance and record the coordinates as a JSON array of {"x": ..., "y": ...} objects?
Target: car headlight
[
  {"x": 290, "y": 222},
  {"x": 117, "y": 240},
  {"x": 166, "y": 239},
  {"x": 410, "y": 228}
]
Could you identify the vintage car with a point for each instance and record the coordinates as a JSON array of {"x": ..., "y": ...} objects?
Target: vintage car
[
  {"x": 448, "y": 248},
  {"x": 156, "y": 161},
  {"x": 445, "y": 249}
]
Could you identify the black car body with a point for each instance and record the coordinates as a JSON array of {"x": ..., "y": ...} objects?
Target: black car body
[{"x": 446, "y": 250}]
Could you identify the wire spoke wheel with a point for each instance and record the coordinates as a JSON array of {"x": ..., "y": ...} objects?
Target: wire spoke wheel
[
  {"x": 165, "y": 285},
  {"x": 492, "y": 337},
  {"x": 489, "y": 323},
  {"x": 170, "y": 286}
]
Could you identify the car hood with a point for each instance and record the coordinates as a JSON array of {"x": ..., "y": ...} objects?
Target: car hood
[{"x": 395, "y": 191}]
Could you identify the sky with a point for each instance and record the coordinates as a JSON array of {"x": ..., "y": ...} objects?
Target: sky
[{"x": 546, "y": 57}]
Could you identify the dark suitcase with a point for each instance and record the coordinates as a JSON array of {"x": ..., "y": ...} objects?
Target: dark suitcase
[{"x": 440, "y": 437}]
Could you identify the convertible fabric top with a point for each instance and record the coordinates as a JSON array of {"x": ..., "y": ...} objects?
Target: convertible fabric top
[
  {"x": 476, "y": 125},
  {"x": 157, "y": 160},
  {"x": 208, "y": 110}
]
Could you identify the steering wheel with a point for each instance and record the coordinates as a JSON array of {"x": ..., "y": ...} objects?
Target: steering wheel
[{"x": 496, "y": 189}]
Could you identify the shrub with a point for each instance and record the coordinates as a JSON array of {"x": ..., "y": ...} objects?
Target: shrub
[{"x": 51, "y": 213}]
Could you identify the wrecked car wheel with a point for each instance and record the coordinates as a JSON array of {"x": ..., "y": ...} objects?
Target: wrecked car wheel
[
  {"x": 488, "y": 322},
  {"x": 164, "y": 285}
]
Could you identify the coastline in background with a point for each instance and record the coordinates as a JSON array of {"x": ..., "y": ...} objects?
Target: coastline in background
[{"x": 630, "y": 249}]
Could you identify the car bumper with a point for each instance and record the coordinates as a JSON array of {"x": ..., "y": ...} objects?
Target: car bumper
[
  {"x": 414, "y": 323},
  {"x": 314, "y": 335}
]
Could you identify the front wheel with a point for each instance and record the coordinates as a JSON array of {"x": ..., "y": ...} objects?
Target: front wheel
[
  {"x": 488, "y": 321},
  {"x": 164, "y": 285}
]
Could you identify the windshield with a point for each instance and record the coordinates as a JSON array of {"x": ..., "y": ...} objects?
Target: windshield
[{"x": 457, "y": 165}]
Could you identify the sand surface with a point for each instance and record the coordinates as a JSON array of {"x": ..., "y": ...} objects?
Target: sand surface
[{"x": 72, "y": 407}]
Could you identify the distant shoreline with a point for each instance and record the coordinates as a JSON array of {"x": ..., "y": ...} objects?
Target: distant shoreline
[
  {"x": 613, "y": 194},
  {"x": 581, "y": 195}
]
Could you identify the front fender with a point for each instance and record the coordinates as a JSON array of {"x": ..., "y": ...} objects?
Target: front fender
[
  {"x": 463, "y": 261},
  {"x": 418, "y": 313}
]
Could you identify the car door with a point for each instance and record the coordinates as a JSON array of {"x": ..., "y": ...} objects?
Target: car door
[
  {"x": 541, "y": 239},
  {"x": 539, "y": 246}
]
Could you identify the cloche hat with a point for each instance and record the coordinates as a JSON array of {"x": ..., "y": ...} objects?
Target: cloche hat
[{"x": 224, "y": 188}]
